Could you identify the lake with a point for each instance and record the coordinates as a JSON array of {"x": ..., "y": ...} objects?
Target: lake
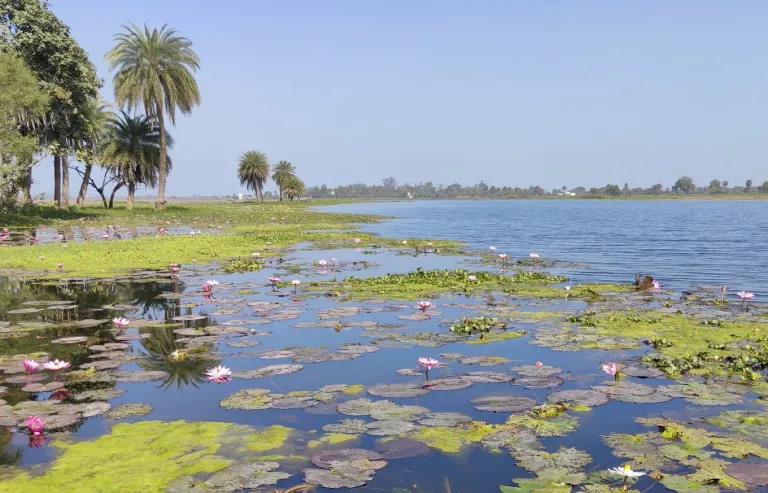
[
  {"x": 326, "y": 387},
  {"x": 682, "y": 243}
]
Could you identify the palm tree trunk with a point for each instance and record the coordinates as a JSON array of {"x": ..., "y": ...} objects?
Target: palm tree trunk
[
  {"x": 131, "y": 193},
  {"x": 162, "y": 165},
  {"x": 57, "y": 180},
  {"x": 281, "y": 194},
  {"x": 114, "y": 191},
  {"x": 65, "y": 182},
  {"x": 84, "y": 185},
  {"x": 26, "y": 186}
]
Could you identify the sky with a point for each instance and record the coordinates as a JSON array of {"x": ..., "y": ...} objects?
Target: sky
[{"x": 510, "y": 92}]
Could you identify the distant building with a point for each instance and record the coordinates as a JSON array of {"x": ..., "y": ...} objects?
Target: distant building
[{"x": 239, "y": 196}]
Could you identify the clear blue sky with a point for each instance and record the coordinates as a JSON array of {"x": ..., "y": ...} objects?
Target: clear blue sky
[{"x": 510, "y": 92}]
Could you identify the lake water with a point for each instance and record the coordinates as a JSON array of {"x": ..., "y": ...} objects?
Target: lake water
[{"x": 683, "y": 243}]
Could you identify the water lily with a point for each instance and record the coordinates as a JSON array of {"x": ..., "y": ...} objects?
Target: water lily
[
  {"x": 207, "y": 288},
  {"x": 219, "y": 374},
  {"x": 120, "y": 322},
  {"x": 357, "y": 250},
  {"x": 56, "y": 365},
  {"x": 255, "y": 254},
  {"x": 567, "y": 288},
  {"x": 656, "y": 284},
  {"x": 179, "y": 355},
  {"x": 274, "y": 280},
  {"x": 424, "y": 305},
  {"x": 745, "y": 295},
  {"x": 41, "y": 257},
  {"x": 35, "y": 424},
  {"x": 533, "y": 255},
  {"x": 538, "y": 363},
  {"x": 428, "y": 363},
  {"x": 333, "y": 261},
  {"x": 404, "y": 242},
  {"x": 322, "y": 263},
  {"x": 358, "y": 240},
  {"x": 472, "y": 278},
  {"x": 212, "y": 282},
  {"x": 61, "y": 394},
  {"x": 503, "y": 257},
  {"x": 626, "y": 472},
  {"x": 492, "y": 248},
  {"x": 611, "y": 368},
  {"x": 296, "y": 283},
  {"x": 30, "y": 365}
]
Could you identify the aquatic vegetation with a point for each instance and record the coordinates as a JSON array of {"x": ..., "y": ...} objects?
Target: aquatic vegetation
[
  {"x": 558, "y": 426},
  {"x": 428, "y": 363},
  {"x": 56, "y": 365},
  {"x": 219, "y": 374},
  {"x": 451, "y": 440},
  {"x": 124, "y": 410},
  {"x": 242, "y": 265},
  {"x": 35, "y": 424},
  {"x": 162, "y": 451},
  {"x": 476, "y": 325},
  {"x": 271, "y": 438},
  {"x": 331, "y": 439},
  {"x": 30, "y": 365},
  {"x": 610, "y": 368}
]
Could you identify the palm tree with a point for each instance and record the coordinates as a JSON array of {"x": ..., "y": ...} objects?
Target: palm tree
[
  {"x": 132, "y": 152},
  {"x": 293, "y": 188},
  {"x": 253, "y": 171},
  {"x": 155, "y": 69},
  {"x": 283, "y": 171}
]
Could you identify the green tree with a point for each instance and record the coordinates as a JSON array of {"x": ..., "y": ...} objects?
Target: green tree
[
  {"x": 684, "y": 184},
  {"x": 155, "y": 69},
  {"x": 714, "y": 186},
  {"x": 293, "y": 188},
  {"x": 65, "y": 74},
  {"x": 21, "y": 103},
  {"x": 253, "y": 171},
  {"x": 763, "y": 188},
  {"x": 657, "y": 189},
  {"x": 612, "y": 190},
  {"x": 282, "y": 173},
  {"x": 132, "y": 152},
  {"x": 749, "y": 185},
  {"x": 98, "y": 115}
]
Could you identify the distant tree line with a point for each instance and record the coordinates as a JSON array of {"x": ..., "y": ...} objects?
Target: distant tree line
[{"x": 390, "y": 188}]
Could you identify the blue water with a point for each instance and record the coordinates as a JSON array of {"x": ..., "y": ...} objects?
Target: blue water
[{"x": 682, "y": 243}]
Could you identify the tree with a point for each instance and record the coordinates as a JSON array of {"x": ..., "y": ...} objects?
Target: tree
[
  {"x": 65, "y": 74},
  {"x": 132, "y": 152},
  {"x": 657, "y": 189},
  {"x": 293, "y": 188},
  {"x": 612, "y": 190},
  {"x": 749, "y": 185},
  {"x": 282, "y": 172},
  {"x": 725, "y": 183},
  {"x": 21, "y": 102},
  {"x": 684, "y": 184},
  {"x": 155, "y": 69},
  {"x": 253, "y": 172},
  {"x": 763, "y": 188},
  {"x": 390, "y": 183},
  {"x": 714, "y": 186},
  {"x": 98, "y": 115}
]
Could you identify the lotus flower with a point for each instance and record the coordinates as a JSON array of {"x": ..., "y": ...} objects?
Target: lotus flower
[
  {"x": 656, "y": 284},
  {"x": 533, "y": 255},
  {"x": 274, "y": 280},
  {"x": 745, "y": 295},
  {"x": 212, "y": 282},
  {"x": 610, "y": 368},
  {"x": 56, "y": 365},
  {"x": 424, "y": 305},
  {"x": 219, "y": 374},
  {"x": 357, "y": 250},
  {"x": 404, "y": 242},
  {"x": 428, "y": 363},
  {"x": 492, "y": 248},
  {"x": 120, "y": 323},
  {"x": 35, "y": 424},
  {"x": 296, "y": 283},
  {"x": 626, "y": 472},
  {"x": 472, "y": 278},
  {"x": 538, "y": 363},
  {"x": 429, "y": 243},
  {"x": 269, "y": 243},
  {"x": 30, "y": 365},
  {"x": 322, "y": 263},
  {"x": 357, "y": 240}
]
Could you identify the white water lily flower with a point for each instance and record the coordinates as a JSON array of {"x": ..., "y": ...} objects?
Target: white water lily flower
[{"x": 626, "y": 472}]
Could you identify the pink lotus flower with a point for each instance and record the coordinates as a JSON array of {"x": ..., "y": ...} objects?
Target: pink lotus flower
[
  {"x": 656, "y": 284},
  {"x": 428, "y": 363},
  {"x": 120, "y": 322},
  {"x": 502, "y": 256},
  {"x": 533, "y": 255},
  {"x": 472, "y": 278},
  {"x": 322, "y": 263},
  {"x": 357, "y": 250},
  {"x": 491, "y": 248},
  {"x": 30, "y": 365},
  {"x": 35, "y": 424},
  {"x": 296, "y": 283},
  {"x": 274, "y": 280},
  {"x": 61, "y": 394},
  {"x": 538, "y": 363},
  {"x": 745, "y": 295},
  {"x": 212, "y": 282},
  {"x": 610, "y": 368},
  {"x": 219, "y": 374},
  {"x": 56, "y": 365},
  {"x": 424, "y": 305}
]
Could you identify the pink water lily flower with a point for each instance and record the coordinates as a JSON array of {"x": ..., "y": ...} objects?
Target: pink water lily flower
[
  {"x": 274, "y": 280},
  {"x": 35, "y": 424},
  {"x": 745, "y": 295},
  {"x": 424, "y": 305},
  {"x": 56, "y": 365},
  {"x": 491, "y": 248},
  {"x": 30, "y": 365},
  {"x": 428, "y": 363},
  {"x": 533, "y": 255},
  {"x": 610, "y": 368},
  {"x": 120, "y": 322},
  {"x": 502, "y": 255},
  {"x": 296, "y": 283},
  {"x": 219, "y": 374},
  {"x": 322, "y": 263},
  {"x": 207, "y": 288},
  {"x": 538, "y": 363},
  {"x": 656, "y": 284},
  {"x": 472, "y": 278},
  {"x": 357, "y": 250}
]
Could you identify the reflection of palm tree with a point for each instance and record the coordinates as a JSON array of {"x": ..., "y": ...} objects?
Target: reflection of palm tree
[
  {"x": 146, "y": 295},
  {"x": 159, "y": 346},
  {"x": 8, "y": 458}
]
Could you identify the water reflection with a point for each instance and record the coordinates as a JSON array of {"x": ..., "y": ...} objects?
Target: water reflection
[{"x": 161, "y": 350}]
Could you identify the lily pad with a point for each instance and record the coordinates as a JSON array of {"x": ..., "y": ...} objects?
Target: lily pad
[
  {"x": 396, "y": 390},
  {"x": 581, "y": 397},
  {"x": 487, "y": 377},
  {"x": 347, "y": 427},
  {"x": 246, "y": 475},
  {"x": 388, "y": 410},
  {"x": 389, "y": 427},
  {"x": 401, "y": 448},
  {"x": 484, "y": 360},
  {"x": 447, "y": 383},
  {"x": 268, "y": 371},
  {"x": 326, "y": 458},
  {"x": 503, "y": 403},
  {"x": 446, "y": 419},
  {"x": 125, "y": 410},
  {"x": 42, "y": 387},
  {"x": 139, "y": 376},
  {"x": 98, "y": 395},
  {"x": 536, "y": 371},
  {"x": 70, "y": 340},
  {"x": 355, "y": 407},
  {"x": 240, "y": 344},
  {"x": 754, "y": 474},
  {"x": 536, "y": 383},
  {"x": 249, "y": 399}
]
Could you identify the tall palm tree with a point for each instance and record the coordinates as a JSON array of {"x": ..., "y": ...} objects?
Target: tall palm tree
[
  {"x": 253, "y": 171},
  {"x": 155, "y": 69},
  {"x": 283, "y": 171},
  {"x": 293, "y": 188},
  {"x": 132, "y": 152}
]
